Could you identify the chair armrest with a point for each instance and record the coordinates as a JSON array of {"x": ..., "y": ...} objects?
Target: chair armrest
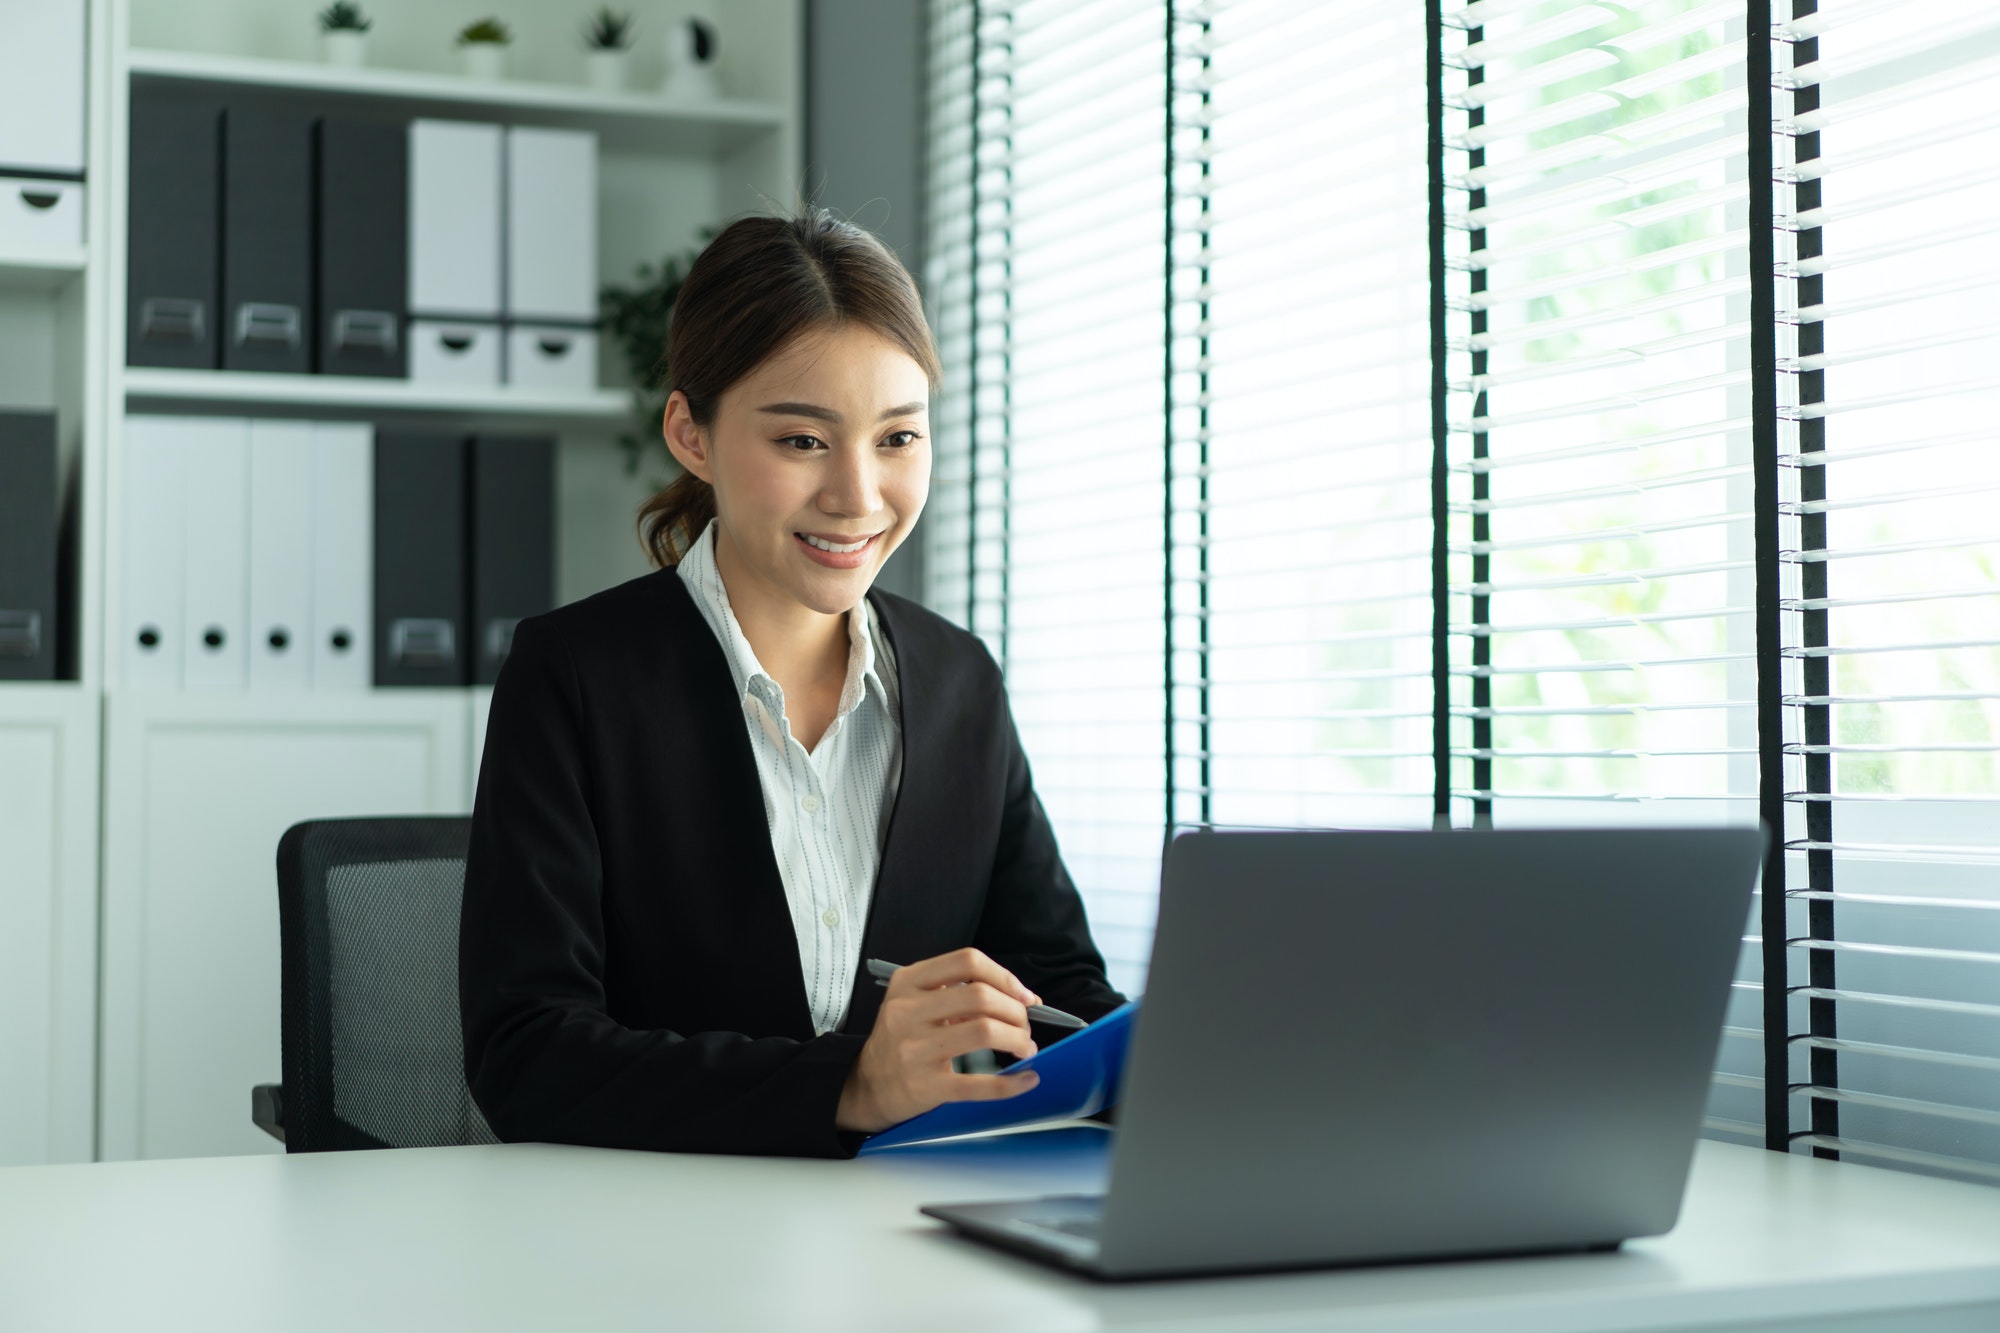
[{"x": 267, "y": 1109}]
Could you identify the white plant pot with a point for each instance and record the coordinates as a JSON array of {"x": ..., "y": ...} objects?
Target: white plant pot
[
  {"x": 345, "y": 48},
  {"x": 688, "y": 60},
  {"x": 483, "y": 60},
  {"x": 605, "y": 70}
]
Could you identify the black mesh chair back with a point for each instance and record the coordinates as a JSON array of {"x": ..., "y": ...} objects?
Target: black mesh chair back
[{"x": 368, "y": 926}]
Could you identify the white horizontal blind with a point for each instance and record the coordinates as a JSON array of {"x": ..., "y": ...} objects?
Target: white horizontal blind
[
  {"x": 1889, "y": 440},
  {"x": 1601, "y": 573},
  {"x": 1301, "y": 447},
  {"x": 949, "y": 164},
  {"x": 1061, "y": 456}
]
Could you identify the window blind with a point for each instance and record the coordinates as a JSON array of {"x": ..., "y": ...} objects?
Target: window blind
[
  {"x": 1600, "y": 563},
  {"x": 1889, "y": 391},
  {"x": 1300, "y": 447},
  {"x": 1058, "y": 450}
]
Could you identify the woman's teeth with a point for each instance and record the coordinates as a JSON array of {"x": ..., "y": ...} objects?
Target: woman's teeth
[{"x": 834, "y": 547}]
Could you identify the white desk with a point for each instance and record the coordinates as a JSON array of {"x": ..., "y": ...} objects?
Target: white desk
[{"x": 537, "y": 1237}]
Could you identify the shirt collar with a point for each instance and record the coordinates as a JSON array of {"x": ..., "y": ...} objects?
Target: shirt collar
[{"x": 697, "y": 570}]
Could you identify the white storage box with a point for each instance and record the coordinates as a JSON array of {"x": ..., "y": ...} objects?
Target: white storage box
[
  {"x": 41, "y": 85},
  {"x": 545, "y": 357},
  {"x": 450, "y": 353},
  {"x": 39, "y": 216},
  {"x": 455, "y": 202},
  {"x": 551, "y": 224}
]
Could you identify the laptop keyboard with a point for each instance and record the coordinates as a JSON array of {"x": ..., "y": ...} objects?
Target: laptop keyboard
[{"x": 1084, "y": 1228}]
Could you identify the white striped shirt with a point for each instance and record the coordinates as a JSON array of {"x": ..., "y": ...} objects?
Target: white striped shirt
[{"x": 826, "y": 809}]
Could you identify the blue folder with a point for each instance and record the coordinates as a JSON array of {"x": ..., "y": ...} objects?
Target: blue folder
[{"x": 1079, "y": 1078}]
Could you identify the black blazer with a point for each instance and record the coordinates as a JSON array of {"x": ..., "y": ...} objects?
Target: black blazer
[{"x": 628, "y": 973}]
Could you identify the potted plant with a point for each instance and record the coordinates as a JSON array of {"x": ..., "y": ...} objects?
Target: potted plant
[
  {"x": 607, "y": 42},
  {"x": 689, "y": 62},
  {"x": 343, "y": 34},
  {"x": 482, "y": 48},
  {"x": 636, "y": 319}
]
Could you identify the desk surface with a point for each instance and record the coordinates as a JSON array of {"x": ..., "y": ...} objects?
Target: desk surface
[{"x": 531, "y": 1236}]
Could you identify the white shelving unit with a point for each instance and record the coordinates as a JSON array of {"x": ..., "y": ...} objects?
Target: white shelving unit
[
  {"x": 153, "y": 1019},
  {"x": 625, "y": 119},
  {"x": 147, "y": 387}
]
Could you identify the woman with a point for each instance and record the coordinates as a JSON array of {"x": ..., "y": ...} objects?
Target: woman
[{"x": 709, "y": 794}]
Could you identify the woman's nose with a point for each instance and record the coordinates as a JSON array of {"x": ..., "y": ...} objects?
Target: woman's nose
[{"x": 851, "y": 486}]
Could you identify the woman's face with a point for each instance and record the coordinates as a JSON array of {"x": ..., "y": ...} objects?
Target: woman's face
[{"x": 821, "y": 461}]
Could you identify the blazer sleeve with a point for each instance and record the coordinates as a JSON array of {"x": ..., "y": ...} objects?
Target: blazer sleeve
[
  {"x": 1033, "y": 921},
  {"x": 543, "y": 1058}
]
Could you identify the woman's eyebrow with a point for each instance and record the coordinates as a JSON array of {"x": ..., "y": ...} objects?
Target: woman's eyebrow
[{"x": 827, "y": 414}]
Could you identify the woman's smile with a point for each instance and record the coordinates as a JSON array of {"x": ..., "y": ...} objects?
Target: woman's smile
[{"x": 835, "y": 553}]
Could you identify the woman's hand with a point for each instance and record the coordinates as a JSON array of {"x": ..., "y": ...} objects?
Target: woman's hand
[{"x": 936, "y": 1010}]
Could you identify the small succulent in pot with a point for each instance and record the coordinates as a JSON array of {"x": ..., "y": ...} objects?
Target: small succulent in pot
[
  {"x": 607, "y": 44},
  {"x": 609, "y": 30},
  {"x": 344, "y": 17},
  {"x": 482, "y": 48},
  {"x": 343, "y": 34},
  {"x": 486, "y": 32}
]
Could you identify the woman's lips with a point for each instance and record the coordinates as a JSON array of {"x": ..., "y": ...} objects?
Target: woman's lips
[{"x": 853, "y": 559}]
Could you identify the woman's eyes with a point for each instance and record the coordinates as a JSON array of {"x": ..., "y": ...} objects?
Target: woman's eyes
[{"x": 901, "y": 439}]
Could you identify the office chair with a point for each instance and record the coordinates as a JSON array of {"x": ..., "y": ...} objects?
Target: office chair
[{"x": 368, "y": 933}]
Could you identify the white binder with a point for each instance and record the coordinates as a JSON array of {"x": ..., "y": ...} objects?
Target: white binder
[
  {"x": 150, "y": 530},
  {"x": 455, "y": 201},
  {"x": 215, "y": 507},
  {"x": 41, "y": 85},
  {"x": 551, "y": 224},
  {"x": 281, "y": 514},
  {"x": 343, "y": 566}
]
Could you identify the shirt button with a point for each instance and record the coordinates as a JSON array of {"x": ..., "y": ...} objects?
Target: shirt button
[
  {"x": 831, "y": 917},
  {"x": 809, "y": 803}
]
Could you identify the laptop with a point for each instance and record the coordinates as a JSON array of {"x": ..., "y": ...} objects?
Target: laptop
[{"x": 1360, "y": 1048}]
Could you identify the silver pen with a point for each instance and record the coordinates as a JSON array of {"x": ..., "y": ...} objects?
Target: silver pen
[{"x": 1040, "y": 1013}]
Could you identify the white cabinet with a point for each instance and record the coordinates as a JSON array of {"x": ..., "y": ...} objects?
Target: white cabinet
[
  {"x": 200, "y": 788},
  {"x": 48, "y": 922}
]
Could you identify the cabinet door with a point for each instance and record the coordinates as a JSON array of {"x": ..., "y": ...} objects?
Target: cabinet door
[
  {"x": 199, "y": 792},
  {"x": 48, "y": 923}
]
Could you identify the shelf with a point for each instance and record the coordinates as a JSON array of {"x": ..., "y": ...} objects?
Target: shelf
[
  {"x": 357, "y": 396},
  {"x": 40, "y": 272},
  {"x": 620, "y": 119}
]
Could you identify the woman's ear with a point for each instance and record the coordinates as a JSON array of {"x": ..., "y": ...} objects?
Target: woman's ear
[{"x": 686, "y": 441}]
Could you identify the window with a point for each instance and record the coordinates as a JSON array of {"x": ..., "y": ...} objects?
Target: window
[
  {"x": 1526, "y": 412},
  {"x": 1888, "y": 391}
]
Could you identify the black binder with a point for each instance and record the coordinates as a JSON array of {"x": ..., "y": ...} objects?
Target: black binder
[
  {"x": 420, "y": 558},
  {"x": 513, "y": 542},
  {"x": 172, "y": 284},
  {"x": 364, "y": 247},
  {"x": 27, "y": 545},
  {"x": 267, "y": 181}
]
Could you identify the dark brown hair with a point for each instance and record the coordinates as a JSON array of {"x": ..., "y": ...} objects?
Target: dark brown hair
[{"x": 760, "y": 284}]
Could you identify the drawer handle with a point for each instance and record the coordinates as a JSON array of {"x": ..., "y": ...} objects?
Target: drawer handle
[
  {"x": 553, "y": 346},
  {"x": 365, "y": 331},
  {"x": 455, "y": 342},
  {"x": 423, "y": 642},
  {"x": 20, "y": 633},
  {"x": 173, "y": 319},
  {"x": 262, "y": 324},
  {"x": 40, "y": 198}
]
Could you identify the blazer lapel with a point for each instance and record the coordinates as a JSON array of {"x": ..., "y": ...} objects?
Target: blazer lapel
[
  {"x": 895, "y": 908},
  {"x": 767, "y": 928}
]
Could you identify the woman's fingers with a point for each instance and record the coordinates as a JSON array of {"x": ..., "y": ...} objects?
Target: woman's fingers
[
  {"x": 957, "y": 968},
  {"x": 991, "y": 1087}
]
